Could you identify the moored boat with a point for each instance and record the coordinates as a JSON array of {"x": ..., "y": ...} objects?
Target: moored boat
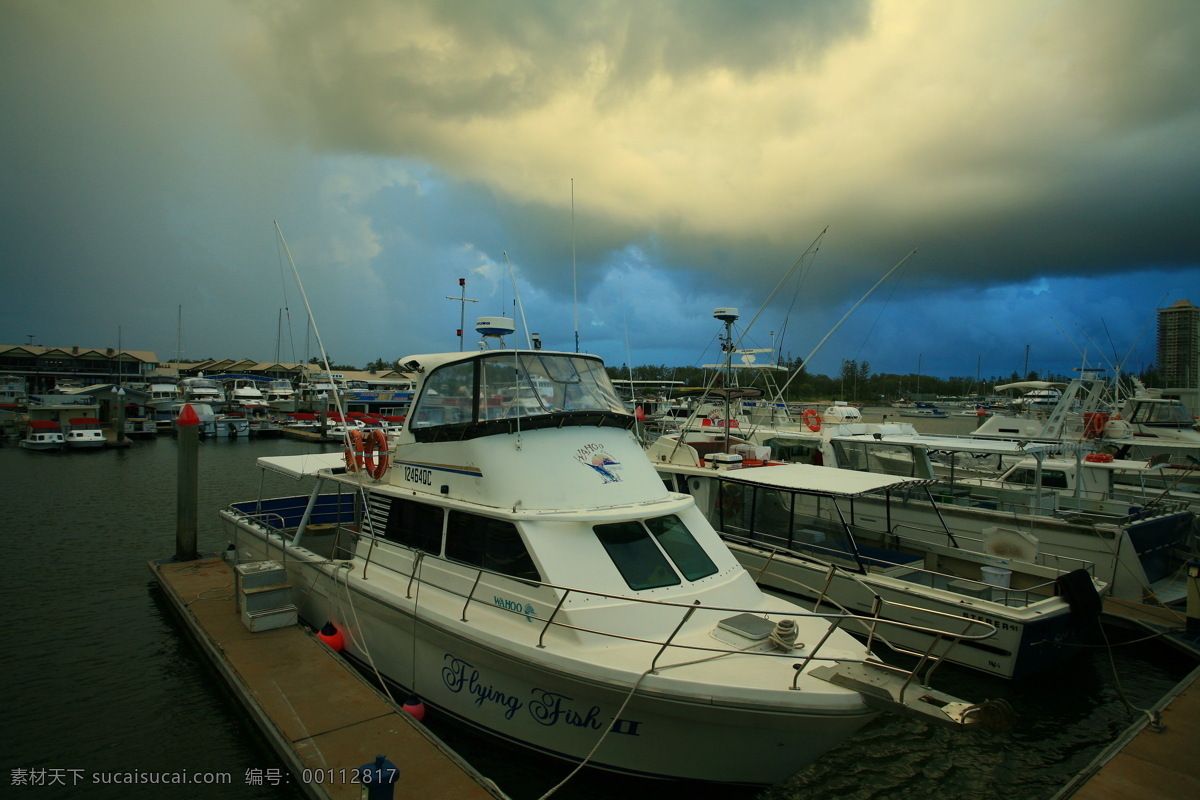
[
  {"x": 792, "y": 527},
  {"x": 84, "y": 433},
  {"x": 201, "y": 390},
  {"x": 522, "y": 568},
  {"x": 280, "y": 394},
  {"x": 43, "y": 434}
]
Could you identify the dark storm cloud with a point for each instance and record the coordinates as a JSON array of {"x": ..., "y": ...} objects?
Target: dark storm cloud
[{"x": 148, "y": 146}]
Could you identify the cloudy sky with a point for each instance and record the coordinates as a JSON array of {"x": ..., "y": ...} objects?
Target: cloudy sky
[{"x": 621, "y": 167}]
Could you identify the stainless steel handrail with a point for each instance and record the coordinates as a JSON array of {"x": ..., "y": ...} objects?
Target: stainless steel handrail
[{"x": 834, "y": 621}]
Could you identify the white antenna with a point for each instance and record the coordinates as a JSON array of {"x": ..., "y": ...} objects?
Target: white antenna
[
  {"x": 517, "y": 295},
  {"x": 574, "y": 275},
  {"x": 625, "y": 322}
]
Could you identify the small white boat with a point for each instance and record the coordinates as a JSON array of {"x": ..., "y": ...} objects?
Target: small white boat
[
  {"x": 43, "y": 435},
  {"x": 523, "y": 569},
  {"x": 83, "y": 433},
  {"x": 923, "y": 411}
]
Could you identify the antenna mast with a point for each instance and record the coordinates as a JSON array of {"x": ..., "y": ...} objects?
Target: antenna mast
[
  {"x": 574, "y": 275},
  {"x": 462, "y": 312}
]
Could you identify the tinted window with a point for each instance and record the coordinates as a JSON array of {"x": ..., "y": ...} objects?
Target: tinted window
[
  {"x": 1021, "y": 477},
  {"x": 639, "y": 561},
  {"x": 674, "y": 537},
  {"x": 493, "y": 544},
  {"x": 1051, "y": 478},
  {"x": 415, "y": 524},
  {"x": 1054, "y": 479}
]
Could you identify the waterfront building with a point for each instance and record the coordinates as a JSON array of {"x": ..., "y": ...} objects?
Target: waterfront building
[
  {"x": 46, "y": 369},
  {"x": 1179, "y": 345}
]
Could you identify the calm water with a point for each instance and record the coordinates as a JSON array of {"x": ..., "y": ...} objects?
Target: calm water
[{"x": 100, "y": 678}]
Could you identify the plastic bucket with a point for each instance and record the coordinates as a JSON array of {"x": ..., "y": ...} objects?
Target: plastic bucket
[{"x": 996, "y": 576}]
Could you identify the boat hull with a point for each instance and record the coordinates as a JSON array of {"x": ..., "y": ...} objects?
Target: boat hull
[
  {"x": 41, "y": 446},
  {"x": 542, "y": 699}
]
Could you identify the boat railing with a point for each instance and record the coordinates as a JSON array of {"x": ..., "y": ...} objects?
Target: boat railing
[
  {"x": 1053, "y": 561},
  {"x": 941, "y": 641},
  {"x": 884, "y": 607},
  {"x": 905, "y": 568}
]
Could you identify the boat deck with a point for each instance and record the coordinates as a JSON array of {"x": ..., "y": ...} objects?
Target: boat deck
[{"x": 315, "y": 710}]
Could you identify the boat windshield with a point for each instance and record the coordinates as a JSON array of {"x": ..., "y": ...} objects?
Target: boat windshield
[
  {"x": 1162, "y": 412},
  {"x": 495, "y": 391}
]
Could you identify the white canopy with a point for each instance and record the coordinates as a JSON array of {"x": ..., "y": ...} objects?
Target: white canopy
[
  {"x": 303, "y": 466},
  {"x": 817, "y": 480}
]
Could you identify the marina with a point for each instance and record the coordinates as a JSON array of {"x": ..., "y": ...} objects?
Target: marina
[
  {"x": 457, "y": 491},
  {"x": 1065, "y": 719}
]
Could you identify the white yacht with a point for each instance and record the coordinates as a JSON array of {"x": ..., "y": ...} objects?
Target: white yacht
[
  {"x": 163, "y": 397},
  {"x": 243, "y": 390},
  {"x": 202, "y": 390},
  {"x": 522, "y": 568},
  {"x": 280, "y": 395}
]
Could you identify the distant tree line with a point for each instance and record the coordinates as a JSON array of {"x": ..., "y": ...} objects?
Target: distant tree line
[{"x": 854, "y": 383}]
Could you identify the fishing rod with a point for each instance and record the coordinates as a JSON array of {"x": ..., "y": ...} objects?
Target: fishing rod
[{"x": 888, "y": 274}]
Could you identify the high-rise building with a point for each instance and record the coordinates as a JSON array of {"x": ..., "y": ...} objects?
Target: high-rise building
[{"x": 1179, "y": 345}]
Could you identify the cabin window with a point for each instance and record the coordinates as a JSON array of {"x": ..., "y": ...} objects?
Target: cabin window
[
  {"x": 883, "y": 458},
  {"x": 640, "y": 562},
  {"x": 483, "y": 394},
  {"x": 794, "y": 452},
  {"x": 415, "y": 525},
  {"x": 674, "y": 537},
  {"x": 772, "y": 520},
  {"x": 492, "y": 544},
  {"x": 1025, "y": 476},
  {"x": 1167, "y": 414},
  {"x": 447, "y": 396}
]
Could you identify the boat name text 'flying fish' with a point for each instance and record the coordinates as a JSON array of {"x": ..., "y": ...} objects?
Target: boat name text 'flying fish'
[{"x": 547, "y": 708}]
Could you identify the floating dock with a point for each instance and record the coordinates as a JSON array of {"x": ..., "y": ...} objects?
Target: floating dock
[
  {"x": 1153, "y": 759},
  {"x": 306, "y": 435},
  {"x": 319, "y": 714}
]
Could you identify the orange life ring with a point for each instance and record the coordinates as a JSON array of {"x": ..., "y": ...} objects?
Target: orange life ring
[
  {"x": 354, "y": 450},
  {"x": 1098, "y": 458},
  {"x": 375, "y": 454},
  {"x": 812, "y": 419}
]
